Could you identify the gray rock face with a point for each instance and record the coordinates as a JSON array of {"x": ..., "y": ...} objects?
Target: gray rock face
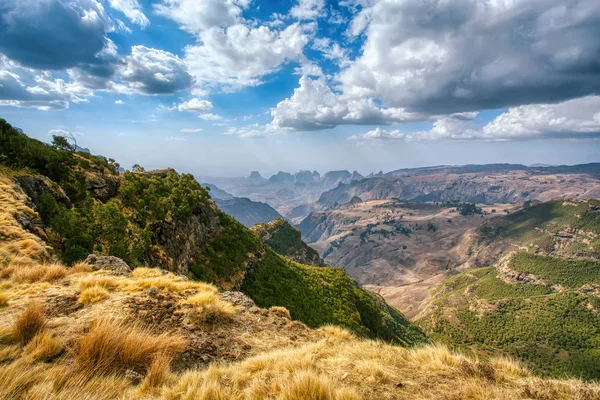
[
  {"x": 36, "y": 186},
  {"x": 108, "y": 263}
]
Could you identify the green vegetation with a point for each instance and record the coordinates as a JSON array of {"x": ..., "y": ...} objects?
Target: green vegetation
[
  {"x": 543, "y": 225},
  {"x": 557, "y": 334},
  {"x": 554, "y": 270},
  {"x": 226, "y": 252},
  {"x": 317, "y": 296},
  {"x": 286, "y": 240}
]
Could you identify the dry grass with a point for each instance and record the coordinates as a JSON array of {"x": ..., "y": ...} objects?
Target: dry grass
[
  {"x": 112, "y": 347},
  {"x": 54, "y": 272},
  {"x": 169, "y": 283},
  {"x": 3, "y": 300},
  {"x": 144, "y": 272},
  {"x": 337, "y": 332},
  {"x": 30, "y": 322},
  {"x": 43, "y": 347},
  {"x": 28, "y": 274},
  {"x": 106, "y": 282},
  {"x": 92, "y": 294},
  {"x": 80, "y": 268},
  {"x": 280, "y": 312},
  {"x": 207, "y": 307},
  {"x": 159, "y": 375}
]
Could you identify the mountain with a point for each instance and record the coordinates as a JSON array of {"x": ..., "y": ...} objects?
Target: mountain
[
  {"x": 488, "y": 184},
  {"x": 217, "y": 193},
  {"x": 167, "y": 220},
  {"x": 539, "y": 297},
  {"x": 286, "y": 240},
  {"x": 246, "y": 211},
  {"x": 292, "y": 195}
]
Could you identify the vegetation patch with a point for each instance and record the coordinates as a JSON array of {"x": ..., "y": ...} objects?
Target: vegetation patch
[{"x": 554, "y": 270}]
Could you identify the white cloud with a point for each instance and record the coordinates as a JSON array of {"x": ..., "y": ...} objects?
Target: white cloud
[
  {"x": 210, "y": 117},
  {"x": 314, "y": 106},
  {"x": 153, "y": 71},
  {"x": 196, "y": 16},
  {"x": 195, "y": 105},
  {"x": 332, "y": 51},
  {"x": 119, "y": 102},
  {"x": 191, "y": 130},
  {"x": 132, "y": 10},
  {"x": 308, "y": 9},
  {"x": 572, "y": 119},
  {"x": 240, "y": 56}
]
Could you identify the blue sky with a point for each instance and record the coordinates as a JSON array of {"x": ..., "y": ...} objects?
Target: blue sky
[{"x": 222, "y": 87}]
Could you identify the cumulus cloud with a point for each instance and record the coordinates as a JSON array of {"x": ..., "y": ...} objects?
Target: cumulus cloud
[
  {"x": 119, "y": 102},
  {"x": 132, "y": 10},
  {"x": 314, "y": 106},
  {"x": 308, "y": 9},
  {"x": 196, "y": 16},
  {"x": 153, "y": 71},
  {"x": 54, "y": 34},
  {"x": 240, "y": 55},
  {"x": 195, "y": 105},
  {"x": 27, "y": 88},
  {"x": 572, "y": 119},
  {"x": 442, "y": 56}
]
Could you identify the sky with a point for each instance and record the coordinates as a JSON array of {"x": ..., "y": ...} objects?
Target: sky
[{"x": 223, "y": 87}]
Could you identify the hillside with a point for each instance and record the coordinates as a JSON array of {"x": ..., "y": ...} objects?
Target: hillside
[
  {"x": 400, "y": 250},
  {"x": 166, "y": 220},
  {"x": 286, "y": 240},
  {"x": 248, "y": 212},
  {"x": 539, "y": 301}
]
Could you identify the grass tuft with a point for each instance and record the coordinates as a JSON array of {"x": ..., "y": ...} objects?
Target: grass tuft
[
  {"x": 337, "y": 332},
  {"x": 209, "y": 308},
  {"x": 3, "y": 300},
  {"x": 106, "y": 282},
  {"x": 280, "y": 312},
  {"x": 30, "y": 322},
  {"x": 92, "y": 294},
  {"x": 43, "y": 347},
  {"x": 112, "y": 347}
]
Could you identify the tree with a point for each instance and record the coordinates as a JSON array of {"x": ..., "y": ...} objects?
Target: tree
[
  {"x": 137, "y": 168},
  {"x": 61, "y": 143}
]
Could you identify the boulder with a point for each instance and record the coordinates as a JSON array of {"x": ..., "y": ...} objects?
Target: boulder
[{"x": 109, "y": 263}]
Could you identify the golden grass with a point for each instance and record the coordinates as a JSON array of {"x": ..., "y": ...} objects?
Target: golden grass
[
  {"x": 80, "y": 268},
  {"x": 30, "y": 322},
  {"x": 28, "y": 274},
  {"x": 106, "y": 282},
  {"x": 92, "y": 294},
  {"x": 3, "y": 300},
  {"x": 144, "y": 272},
  {"x": 8, "y": 335},
  {"x": 337, "y": 332},
  {"x": 169, "y": 283},
  {"x": 54, "y": 272},
  {"x": 209, "y": 308},
  {"x": 159, "y": 375},
  {"x": 112, "y": 347},
  {"x": 43, "y": 347},
  {"x": 280, "y": 312}
]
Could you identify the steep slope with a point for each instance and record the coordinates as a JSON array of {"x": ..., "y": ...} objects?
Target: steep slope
[
  {"x": 163, "y": 219},
  {"x": 539, "y": 301},
  {"x": 286, "y": 240},
  {"x": 248, "y": 212}
]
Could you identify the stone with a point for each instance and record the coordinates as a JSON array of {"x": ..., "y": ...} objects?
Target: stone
[
  {"x": 109, "y": 263},
  {"x": 153, "y": 291}
]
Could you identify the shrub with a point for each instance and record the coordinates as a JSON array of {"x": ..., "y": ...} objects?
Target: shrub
[
  {"x": 30, "y": 322},
  {"x": 111, "y": 347},
  {"x": 93, "y": 294}
]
